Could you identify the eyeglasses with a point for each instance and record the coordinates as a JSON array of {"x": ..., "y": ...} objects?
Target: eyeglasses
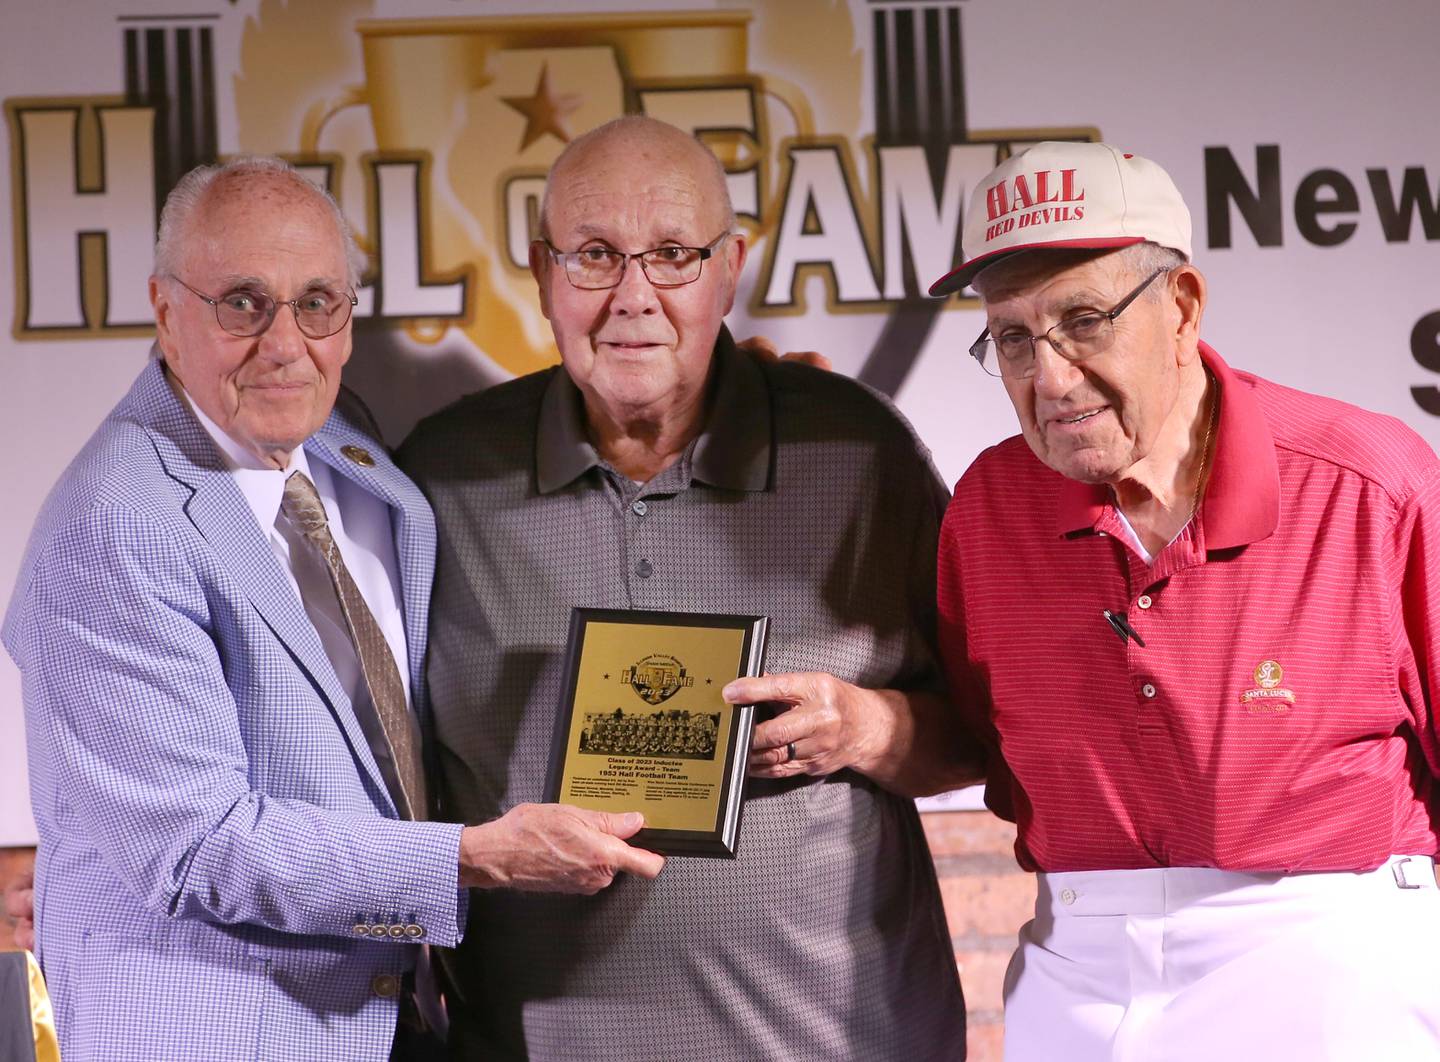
[
  {"x": 595, "y": 268},
  {"x": 1074, "y": 339},
  {"x": 319, "y": 312}
]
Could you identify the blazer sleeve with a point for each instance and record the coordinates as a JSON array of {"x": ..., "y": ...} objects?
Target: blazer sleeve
[{"x": 125, "y": 683}]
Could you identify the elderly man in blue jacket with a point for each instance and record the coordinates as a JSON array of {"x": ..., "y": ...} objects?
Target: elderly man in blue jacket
[{"x": 220, "y": 627}]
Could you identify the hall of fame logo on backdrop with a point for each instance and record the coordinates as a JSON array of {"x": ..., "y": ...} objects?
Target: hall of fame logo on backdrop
[{"x": 436, "y": 134}]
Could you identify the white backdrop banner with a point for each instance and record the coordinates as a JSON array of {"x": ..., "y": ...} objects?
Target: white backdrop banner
[{"x": 1303, "y": 133}]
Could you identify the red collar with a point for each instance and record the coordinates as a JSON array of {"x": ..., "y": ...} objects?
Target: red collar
[{"x": 1242, "y": 499}]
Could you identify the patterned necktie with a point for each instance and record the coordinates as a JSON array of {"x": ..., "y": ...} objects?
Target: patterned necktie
[{"x": 302, "y": 506}]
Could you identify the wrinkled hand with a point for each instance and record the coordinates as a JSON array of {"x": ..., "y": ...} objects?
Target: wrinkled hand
[
  {"x": 829, "y": 723},
  {"x": 20, "y": 905},
  {"x": 762, "y": 348},
  {"x": 553, "y": 848}
]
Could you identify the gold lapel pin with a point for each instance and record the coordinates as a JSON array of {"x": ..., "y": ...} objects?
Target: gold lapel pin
[{"x": 359, "y": 455}]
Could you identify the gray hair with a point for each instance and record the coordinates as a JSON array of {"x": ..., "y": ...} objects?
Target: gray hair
[
  {"x": 190, "y": 191},
  {"x": 1146, "y": 258},
  {"x": 628, "y": 126},
  {"x": 1141, "y": 259}
]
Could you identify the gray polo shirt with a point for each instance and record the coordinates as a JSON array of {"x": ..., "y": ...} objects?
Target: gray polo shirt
[{"x": 806, "y": 498}]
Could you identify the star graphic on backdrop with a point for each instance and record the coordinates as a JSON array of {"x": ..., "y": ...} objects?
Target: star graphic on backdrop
[
  {"x": 543, "y": 111},
  {"x": 709, "y": 681},
  {"x": 607, "y": 674}
]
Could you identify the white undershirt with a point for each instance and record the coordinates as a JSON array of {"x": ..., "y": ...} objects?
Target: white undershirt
[
  {"x": 1134, "y": 537},
  {"x": 360, "y": 525}
]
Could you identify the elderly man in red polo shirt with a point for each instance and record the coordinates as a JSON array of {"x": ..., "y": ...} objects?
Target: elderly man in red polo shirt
[{"x": 1196, "y": 616}]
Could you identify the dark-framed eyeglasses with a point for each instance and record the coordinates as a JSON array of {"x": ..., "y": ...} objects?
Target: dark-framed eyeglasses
[
  {"x": 671, "y": 266},
  {"x": 246, "y": 312},
  {"x": 1012, "y": 356}
]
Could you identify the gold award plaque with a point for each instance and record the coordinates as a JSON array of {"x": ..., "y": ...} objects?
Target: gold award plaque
[{"x": 642, "y": 726}]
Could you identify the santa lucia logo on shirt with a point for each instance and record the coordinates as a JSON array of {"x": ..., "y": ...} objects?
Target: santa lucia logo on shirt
[{"x": 1268, "y": 697}]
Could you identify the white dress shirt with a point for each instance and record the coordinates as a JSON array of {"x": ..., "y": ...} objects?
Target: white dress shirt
[{"x": 360, "y": 524}]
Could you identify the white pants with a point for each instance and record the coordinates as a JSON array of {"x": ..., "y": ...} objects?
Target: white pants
[{"x": 1184, "y": 965}]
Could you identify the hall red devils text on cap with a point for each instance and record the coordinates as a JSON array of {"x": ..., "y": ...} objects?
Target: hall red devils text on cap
[{"x": 1060, "y": 194}]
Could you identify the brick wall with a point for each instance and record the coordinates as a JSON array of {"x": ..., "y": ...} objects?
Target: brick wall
[{"x": 987, "y": 897}]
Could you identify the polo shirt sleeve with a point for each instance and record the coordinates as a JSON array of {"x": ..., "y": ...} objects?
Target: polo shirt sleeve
[
  {"x": 968, "y": 690},
  {"x": 1415, "y": 562}
]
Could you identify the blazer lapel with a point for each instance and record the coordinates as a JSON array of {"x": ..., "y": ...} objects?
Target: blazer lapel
[{"x": 220, "y": 514}]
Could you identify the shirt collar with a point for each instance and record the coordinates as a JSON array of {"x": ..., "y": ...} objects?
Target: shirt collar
[
  {"x": 262, "y": 485},
  {"x": 1242, "y": 499},
  {"x": 731, "y": 452}
]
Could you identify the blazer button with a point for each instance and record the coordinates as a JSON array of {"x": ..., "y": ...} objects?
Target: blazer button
[
  {"x": 414, "y": 932},
  {"x": 386, "y": 986},
  {"x": 361, "y": 929},
  {"x": 397, "y": 932},
  {"x": 379, "y": 932}
]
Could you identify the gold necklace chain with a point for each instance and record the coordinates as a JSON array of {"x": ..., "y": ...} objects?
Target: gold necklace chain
[{"x": 1205, "y": 451}]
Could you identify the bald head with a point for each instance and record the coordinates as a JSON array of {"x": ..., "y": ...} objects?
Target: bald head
[
  {"x": 638, "y": 144},
  {"x": 249, "y": 181}
]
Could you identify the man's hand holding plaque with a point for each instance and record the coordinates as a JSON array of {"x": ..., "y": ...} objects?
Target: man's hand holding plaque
[
  {"x": 554, "y": 848},
  {"x": 909, "y": 741}
]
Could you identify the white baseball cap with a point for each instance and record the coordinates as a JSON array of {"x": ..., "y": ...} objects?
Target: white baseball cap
[{"x": 1068, "y": 195}]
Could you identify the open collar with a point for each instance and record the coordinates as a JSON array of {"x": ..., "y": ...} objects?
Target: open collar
[
  {"x": 1242, "y": 498},
  {"x": 732, "y": 450}
]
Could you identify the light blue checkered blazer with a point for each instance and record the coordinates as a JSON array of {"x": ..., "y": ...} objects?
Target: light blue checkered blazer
[{"x": 220, "y": 867}]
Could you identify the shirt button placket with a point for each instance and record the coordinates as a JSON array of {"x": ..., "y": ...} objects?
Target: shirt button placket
[
  {"x": 1149, "y": 720},
  {"x": 640, "y": 539}
]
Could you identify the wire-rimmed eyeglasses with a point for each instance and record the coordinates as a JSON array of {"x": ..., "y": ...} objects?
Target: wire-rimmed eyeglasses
[
  {"x": 246, "y": 312},
  {"x": 1012, "y": 355},
  {"x": 671, "y": 266}
]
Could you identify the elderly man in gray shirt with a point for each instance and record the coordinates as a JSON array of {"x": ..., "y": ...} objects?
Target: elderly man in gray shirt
[{"x": 659, "y": 467}]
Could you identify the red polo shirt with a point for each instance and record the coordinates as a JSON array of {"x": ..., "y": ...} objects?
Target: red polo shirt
[{"x": 1280, "y": 713}]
